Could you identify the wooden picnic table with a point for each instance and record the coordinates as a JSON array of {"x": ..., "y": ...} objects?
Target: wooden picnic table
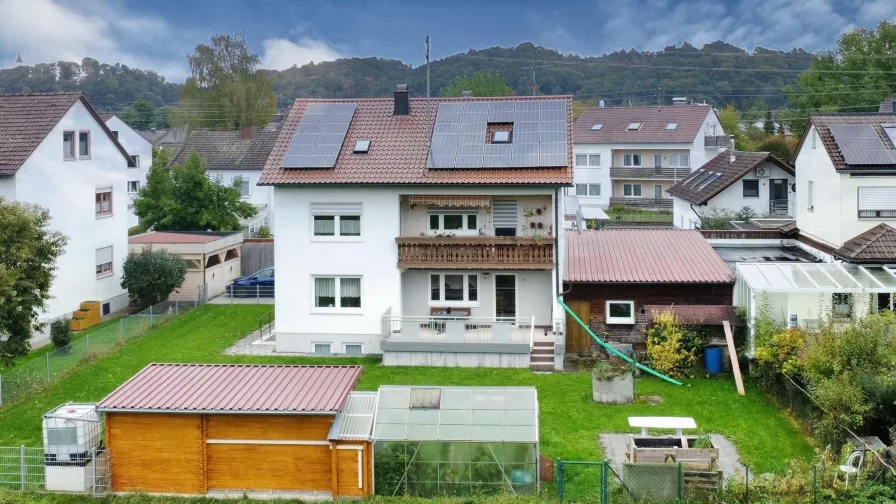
[{"x": 677, "y": 423}]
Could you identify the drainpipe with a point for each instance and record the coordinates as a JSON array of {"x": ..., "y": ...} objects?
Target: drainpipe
[
  {"x": 699, "y": 219},
  {"x": 558, "y": 229}
]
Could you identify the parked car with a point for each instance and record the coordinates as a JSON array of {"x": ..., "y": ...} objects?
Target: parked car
[{"x": 261, "y": 284}]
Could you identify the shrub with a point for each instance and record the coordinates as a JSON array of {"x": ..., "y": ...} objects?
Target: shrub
[
  {"x": 608, "y": 370},
  {"x": 667, "y": 346},
  {"x": 60, "y": 333},
  {"x": 782, "y": 353},
  {"x": 264, "y": 232},
  {"x": 152, "y": 275}
]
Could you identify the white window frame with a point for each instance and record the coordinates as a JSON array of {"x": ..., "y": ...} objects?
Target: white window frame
[
  {"x": 662, "y": 190},
  {"x": 107, "y": 213},
  {"x": 882, "y": 212},
  {"x": 632, "y": 195},
  {"x": 465, "y": 303},
  {"x": 71, "y": 155},
  {"x": 89, "y": 147},
  {"x": 744, "y": 188},
  {"x": 675, "y": 160},
  {"x": 106, "y": 272},
  {"x": 337, "y": 214},
  {"x": 463, "y": 212},
  {"x": 315, "y": 343},
  {"x": 620, "y": 320},
  {"x": 591, "y": 160},
  {"x": 581, "y": 189},
  {"x": 337, "y": 297},
  {"x": 245, "y": 186},
  {"x": 136, "y": 158},
  {"x": 809, "y": 196},
  {"x": 136, "y": 185},
  {"x": 592, "y": 186},
  {"x": 346, "y": 345},
  {"x": 628, "y": 160}
]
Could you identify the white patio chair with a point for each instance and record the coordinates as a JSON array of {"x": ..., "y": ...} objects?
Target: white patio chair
[{"x": 853, "y": 464}]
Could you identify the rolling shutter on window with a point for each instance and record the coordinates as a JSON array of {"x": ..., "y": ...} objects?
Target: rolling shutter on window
[
  {"x": 877, "y": 198},
  {"x": 504, "y": 214},
  {"x": 336, "y": 208},
  {"x": 103, "y": 255}
]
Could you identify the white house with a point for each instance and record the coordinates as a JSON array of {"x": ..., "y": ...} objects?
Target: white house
[
  {"x": 630, "y": 156},
  {"x": 427, "y": 235},
  {"x": 140, "y": 150},
  {"x": 731, "y": 181},
  {"x": 66, "y": 160},
  {"x": 237, "y": 157}
]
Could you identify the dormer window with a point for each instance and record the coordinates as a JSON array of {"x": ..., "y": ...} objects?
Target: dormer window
[
  {"x": 501, "y": 137},
  {"x": 597, "y": 127},
  {"x": 634, "y": 126},
  {"x": 361, "y": 147}
]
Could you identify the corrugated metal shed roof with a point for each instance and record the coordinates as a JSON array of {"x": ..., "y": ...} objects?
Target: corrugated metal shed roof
[
  {"x": 355, "y": 421},
  {"x": 218, "y": 388},
  {"x": 643, "y": 256}
]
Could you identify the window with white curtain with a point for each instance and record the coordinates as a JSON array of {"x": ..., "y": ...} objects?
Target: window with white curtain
[
  {"x": 243, "y": 182},
  {"x": 454, "y": 288},
  {"x": 679, "y": 160},
  {"x": 588, "y": 160},
  {"x": 336, "y": 221},
  {"x": 337, "y": 292},
  {"x": 459, "y": 221}
]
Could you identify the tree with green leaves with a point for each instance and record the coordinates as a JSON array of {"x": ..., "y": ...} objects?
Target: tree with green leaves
[
  {"x": 730, "y": 119},
  {"x": 481, "y": 83},
  {"x": 226, "y": 90},
  {"x": 27, "y": 262},
  {"x": 183, "y": 198},
  {"x": 152, "y": 275},
  {"x": 855, "y": 77},
  {"x": 768, "y": 123}
]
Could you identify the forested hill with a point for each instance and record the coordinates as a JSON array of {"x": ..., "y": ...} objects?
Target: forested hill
[{"x": 718, "y": 73}]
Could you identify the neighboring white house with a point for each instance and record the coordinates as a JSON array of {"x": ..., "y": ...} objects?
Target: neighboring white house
[
  {"x": 731, "y": 181},
  {"x": 237, "y": 157},
  {"x": 630, "y": 156},
  {"x": 66, "y": 160},
  {"x": 140, "y": 150},
  {"x": 428, "y": 236}
]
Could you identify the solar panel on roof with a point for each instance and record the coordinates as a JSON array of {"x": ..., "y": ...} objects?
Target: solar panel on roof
[
  {"x": 861, "y": 145},
  {"x": 708, "y": 181},
  {"x": 319, "y": 135}
]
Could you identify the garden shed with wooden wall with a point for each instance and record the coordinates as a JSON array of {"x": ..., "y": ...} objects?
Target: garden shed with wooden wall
[{"x": 208, "y": 428}]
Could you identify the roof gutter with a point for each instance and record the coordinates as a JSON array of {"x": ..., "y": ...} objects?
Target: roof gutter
[{"x": 214, "y": 412}]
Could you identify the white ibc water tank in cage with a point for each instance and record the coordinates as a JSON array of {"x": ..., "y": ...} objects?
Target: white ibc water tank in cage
[{"x": 71, "y": 433}]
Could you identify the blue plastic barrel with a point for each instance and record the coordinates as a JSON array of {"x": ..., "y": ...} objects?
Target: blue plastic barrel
[{"x": 712, "y": 355}]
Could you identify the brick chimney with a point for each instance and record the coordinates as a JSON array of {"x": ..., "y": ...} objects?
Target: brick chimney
[{"x": 247, "y": 132}]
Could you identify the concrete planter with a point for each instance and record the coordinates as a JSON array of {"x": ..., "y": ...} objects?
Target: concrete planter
[{"x": 618, "y": 390}]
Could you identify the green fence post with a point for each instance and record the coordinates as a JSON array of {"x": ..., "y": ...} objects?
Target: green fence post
[
  {"x": 87, "y": 348},
  {"x": 559, "y": 480},
  {"x": 48, "y": 367},
  {"x": 604, "y": 483},
  {"x": 680, "y": 477},
  {"x": 747, "y": 495},
  {"x": 814, "y": 483},
  {"x": 121, "y": 330}
]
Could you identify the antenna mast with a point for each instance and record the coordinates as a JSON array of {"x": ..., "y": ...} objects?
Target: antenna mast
[
  {"x": 533, "y": 72},
  {"x": 428, "y": 105}
]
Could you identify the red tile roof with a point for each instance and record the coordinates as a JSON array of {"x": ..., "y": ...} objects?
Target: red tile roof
[
  {"x": 223, "y": 388},
  {"x": 697, "y": 314},
  {"x": 178, "y": 237},
  {"x": 643, "y": 256},
  {"x": 730, "y": 173},
  {"x": 399, "y": 149},
  {"x": 821, "y": 123},
  {"x": 877, "y": 245},
  {"x": 614, "y": 123},
  {"x": 26, "y": 119}
]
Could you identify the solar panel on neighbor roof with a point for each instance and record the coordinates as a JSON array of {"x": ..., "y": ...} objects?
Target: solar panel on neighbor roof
[
  {"x": 539, "y": 134},
  {"x": 861, "y": 145},
  {"x": 319, "y": 136}
]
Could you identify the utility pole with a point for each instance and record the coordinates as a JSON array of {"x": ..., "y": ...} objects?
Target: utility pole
[
  {"x": 533, "y": 72},
  {"x": 659, "y": 96},
  {"x": 428, "y": 104}
]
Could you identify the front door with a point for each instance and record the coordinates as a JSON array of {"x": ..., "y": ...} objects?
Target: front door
[
  {"x": 658, "y": 191},
  {"x": 505, "y": 295},
  {"x": 777, "y": 196}
]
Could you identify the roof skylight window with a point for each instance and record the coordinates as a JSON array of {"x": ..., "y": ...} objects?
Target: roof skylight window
[
  {"x": 634, "y": 126},
  {"x": 597, "y": 127},
  {"x": 361, "y": 147},
  {"x": 671, "y": 126},
  {"x": 501, "y": 137}
]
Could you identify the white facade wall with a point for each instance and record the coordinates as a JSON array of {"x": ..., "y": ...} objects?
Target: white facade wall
[
  {"x": 135, "y": 145},
  {"x": 834, "y": 216},
  {"x": 300, "y": 257},
  {"x": 594, "y": 175},
  {"x": 68, "y": 190},
  {"x": 260, "y": 196},
  {"x": 732, "y": 197}
]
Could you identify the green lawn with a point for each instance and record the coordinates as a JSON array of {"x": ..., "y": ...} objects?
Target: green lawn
[{"x": 570, "y": 421}]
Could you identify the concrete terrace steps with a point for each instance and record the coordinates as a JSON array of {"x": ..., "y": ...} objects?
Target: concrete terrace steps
[{"x": 541, "y": 357}]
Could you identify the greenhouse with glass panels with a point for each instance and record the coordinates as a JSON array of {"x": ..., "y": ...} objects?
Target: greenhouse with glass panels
[{"x": 457, "y": 441}]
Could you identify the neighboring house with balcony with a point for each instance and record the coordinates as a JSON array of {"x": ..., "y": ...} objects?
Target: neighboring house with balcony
[
  {"x": 140, "y": 150},
  {"x": 237, "y": 157},
  {"x": 427, "y": 235},
  {"x": 630, "y": 156},
  {"x": 56, "y": 152},
  {"x": 731, "y": 181}
]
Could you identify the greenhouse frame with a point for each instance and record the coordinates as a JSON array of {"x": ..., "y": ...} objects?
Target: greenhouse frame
[{"x": 456, "y": 441}]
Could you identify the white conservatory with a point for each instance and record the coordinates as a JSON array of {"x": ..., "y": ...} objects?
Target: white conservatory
[{"x": 801, "y": 294}]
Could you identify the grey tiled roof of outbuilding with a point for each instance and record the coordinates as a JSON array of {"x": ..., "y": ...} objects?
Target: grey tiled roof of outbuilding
[{"x": 226, "y": 150}]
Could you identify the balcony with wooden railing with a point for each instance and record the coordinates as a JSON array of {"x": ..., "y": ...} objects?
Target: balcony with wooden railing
[
  {"x": 652, "y": 173},
  {"x": 476, "y": 252}
]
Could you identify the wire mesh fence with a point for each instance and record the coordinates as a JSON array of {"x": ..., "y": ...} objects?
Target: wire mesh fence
[
  {"x": 27, "y": 469},
  {"x": 38, "y": 373}
]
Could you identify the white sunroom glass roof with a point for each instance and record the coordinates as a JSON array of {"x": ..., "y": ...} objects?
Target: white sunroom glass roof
[
  {"x": 457, "y": 414},
  {"x": 795, "y": 277}
]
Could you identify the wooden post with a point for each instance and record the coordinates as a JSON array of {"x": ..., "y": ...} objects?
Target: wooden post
[
  {"x": 335, "y": 471},
  {"x": 732, "y": 353}
]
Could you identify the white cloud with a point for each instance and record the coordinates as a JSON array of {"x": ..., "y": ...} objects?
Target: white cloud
[
  {"x": 281, "y": 53},
  {"x": 46, "y": 31}
]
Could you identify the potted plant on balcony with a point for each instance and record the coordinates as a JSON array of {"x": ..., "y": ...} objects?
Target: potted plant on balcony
[{"x": 612, "y": 382}]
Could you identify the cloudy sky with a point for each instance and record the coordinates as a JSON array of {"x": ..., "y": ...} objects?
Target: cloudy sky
[{"x": 159, "y": 34}]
